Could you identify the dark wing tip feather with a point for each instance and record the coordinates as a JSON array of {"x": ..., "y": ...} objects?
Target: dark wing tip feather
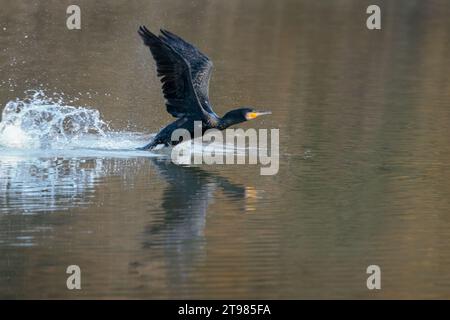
[
  {"x": 147, "y": 35},
  {"x": 170, "y": 35}
]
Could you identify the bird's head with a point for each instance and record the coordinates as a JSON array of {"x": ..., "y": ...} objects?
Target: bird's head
[{"x": 241, "y": 115}]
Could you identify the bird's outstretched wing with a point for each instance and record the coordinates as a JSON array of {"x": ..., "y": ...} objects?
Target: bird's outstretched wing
[
  {"x": 175, "y": 73},
  {"x": 200, "y": 64}
]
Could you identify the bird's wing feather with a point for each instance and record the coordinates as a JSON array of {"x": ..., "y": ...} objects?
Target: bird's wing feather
[
  {"x": 175, "y": 73},
  {"x": 201, "y": 66}
]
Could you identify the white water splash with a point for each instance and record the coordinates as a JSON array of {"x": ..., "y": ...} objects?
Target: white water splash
[{"x": 40, "y": 122}]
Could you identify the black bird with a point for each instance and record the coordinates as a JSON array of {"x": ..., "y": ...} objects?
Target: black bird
[{"x": 185, "y": 74}]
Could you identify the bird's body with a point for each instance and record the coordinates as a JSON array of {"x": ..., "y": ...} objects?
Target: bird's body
[
  {"x": 185, "y": 74},
  {"x": 164, "y": 136}
]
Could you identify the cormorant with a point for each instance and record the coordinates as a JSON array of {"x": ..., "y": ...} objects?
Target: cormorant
[{"x": 185, "y": 74}]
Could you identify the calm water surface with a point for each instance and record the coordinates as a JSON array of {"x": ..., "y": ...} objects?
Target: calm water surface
[{"x": 364, "y": 154}]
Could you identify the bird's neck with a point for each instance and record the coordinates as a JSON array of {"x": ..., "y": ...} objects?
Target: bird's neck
[{"x": 227, "y": 121}]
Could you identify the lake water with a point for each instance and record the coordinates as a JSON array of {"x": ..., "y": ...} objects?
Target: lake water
[{"x": 364, "y": 153}]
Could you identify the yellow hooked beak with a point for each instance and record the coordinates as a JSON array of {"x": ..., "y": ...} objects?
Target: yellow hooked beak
[{"x": 255, "y": 114}]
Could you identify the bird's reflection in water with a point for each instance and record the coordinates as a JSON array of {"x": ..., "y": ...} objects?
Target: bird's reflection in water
[
  {"x": 35, "y": 191},
  {"x": 180, "y": 234}
]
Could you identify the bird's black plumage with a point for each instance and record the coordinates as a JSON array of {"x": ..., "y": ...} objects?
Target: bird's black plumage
[
  {"x": 185, "y": 73},
  {"x": 199, "y": 63}
]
